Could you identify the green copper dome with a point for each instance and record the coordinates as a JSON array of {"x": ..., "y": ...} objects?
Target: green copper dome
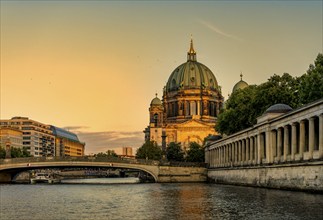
[
  {"x": 240, "y": 85},
  {"x": 191, "y": 75}
]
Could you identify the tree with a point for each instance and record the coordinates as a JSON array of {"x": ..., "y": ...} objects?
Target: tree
[
  {"x": 244, "y": 106},
  {"x": 149, "y": 150},
  {"x": 311, "y": 83},
  {"x": 2, "y": 152},
  {"x": 14, "y": 152},
  {"x": 239, "y": 113},
  {"x": 195, "y": 153},
  {"x": 174, "y": 152},
  {"x": 109, "y": 153},
  {"x": 19, "y": 152}
]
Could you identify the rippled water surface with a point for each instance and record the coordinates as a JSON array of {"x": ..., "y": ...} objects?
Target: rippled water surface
[{"x": 154, "y": 201}]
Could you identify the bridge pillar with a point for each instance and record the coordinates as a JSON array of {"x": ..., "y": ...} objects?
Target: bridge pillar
[{"x": 5, "y": 177}]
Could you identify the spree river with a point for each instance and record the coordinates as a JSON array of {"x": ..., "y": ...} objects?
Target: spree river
[{"x": 94, "y": 199}]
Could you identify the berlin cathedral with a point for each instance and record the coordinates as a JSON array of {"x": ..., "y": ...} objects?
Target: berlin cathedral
[{"x": 189, "y": 107}]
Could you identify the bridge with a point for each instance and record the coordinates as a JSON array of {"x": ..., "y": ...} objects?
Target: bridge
[{"x": 159, "y": 170}]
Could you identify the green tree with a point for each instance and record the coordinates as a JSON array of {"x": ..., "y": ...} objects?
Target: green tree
[
  {"x": 108, "y": 153},
  {"x": 239, "y": 113},
  {"x": 244, "y": 106},
  {"x": 311, "y": 83},
  {"x": 25, "y": 152},
  {"x": 174, "y": 152},
  {"x": 149, "y": 150},
  {"x": 2, "y": 152},
  {"x": 195, "y": 153}
]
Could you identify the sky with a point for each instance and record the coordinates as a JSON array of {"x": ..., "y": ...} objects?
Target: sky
[{"x": 93, "y": 67}]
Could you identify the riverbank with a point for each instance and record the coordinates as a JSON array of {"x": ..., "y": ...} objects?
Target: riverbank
[{"x": 298, "y": 176}]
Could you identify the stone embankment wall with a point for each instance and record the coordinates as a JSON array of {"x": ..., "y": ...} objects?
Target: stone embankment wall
[
  {"x": 168, "y": 174},
  {"x": 307, "y": 177}
]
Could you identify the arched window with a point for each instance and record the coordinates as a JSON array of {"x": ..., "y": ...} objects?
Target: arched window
[
  {"x": 187, "y": 110},
  {"x": 155, "y": 119}
]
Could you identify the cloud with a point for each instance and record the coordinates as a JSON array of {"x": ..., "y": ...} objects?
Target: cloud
[
  {"x": 73, "y": 128},
  {"x": 107, "y": 140},
  {"x": 218, "y": 31}
]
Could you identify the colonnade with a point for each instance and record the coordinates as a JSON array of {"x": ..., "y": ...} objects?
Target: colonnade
[{"x": 272, "y": 143}]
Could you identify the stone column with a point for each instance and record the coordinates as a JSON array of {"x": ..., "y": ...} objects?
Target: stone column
[
  {"x": 239, "y": 152},
  {"x": 269, "y": 155},
  {"x": 215, "y": 157},
  {"x": 294, "y": 142},
  {"x": 286, "y": 138},
  {"x": 235, "y": 155},
  {"x": 260, "y": 143},
  {"x": 219, "y": 156},
  {"x": 301, "y": 139},
  {"x": 311, "y": 135},
  {"x": 279, "y": 143},
  {"x": 222, "y": 156},
  {"x": 252, "y": 153},
  {"x": 198, "y": 103},
  {"x": 205, "y": 107},
  {"x": 256, "y": 148},
  {"x": 180, "y": 111},
  {"x": 247, "y": 150},
  {"x": 225, "y": 155},
  {"x": 243, "y": 151},
  {"x": 321, "y": 136},
  {"x": 273, "y": 143}
]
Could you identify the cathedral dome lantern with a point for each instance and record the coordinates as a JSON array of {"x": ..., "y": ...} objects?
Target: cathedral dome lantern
[{"x": 191, "y": 75}]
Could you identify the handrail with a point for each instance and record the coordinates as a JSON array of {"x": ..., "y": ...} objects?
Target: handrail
[{"x": 28, "y": 160}]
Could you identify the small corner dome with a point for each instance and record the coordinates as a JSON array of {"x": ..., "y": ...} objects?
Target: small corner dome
[
  {"x": 156, "y": 101},
  {"x": 213, "y": 137},
  {"x": 240, "y": 85},
  {"x": 279, "y": 108}
]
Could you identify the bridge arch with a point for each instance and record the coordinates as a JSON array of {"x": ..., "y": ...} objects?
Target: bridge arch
[{"x": 10, "y": 167}]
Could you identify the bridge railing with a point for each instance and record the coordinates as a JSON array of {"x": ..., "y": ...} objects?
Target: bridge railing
[
  {"x": 79, "y": 159},
  {"x": 30, "y": 160},
  {"x": 182, "y": 164}
]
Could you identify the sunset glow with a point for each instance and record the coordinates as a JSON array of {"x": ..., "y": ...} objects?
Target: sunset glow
[{"x": 94, "y": 66}]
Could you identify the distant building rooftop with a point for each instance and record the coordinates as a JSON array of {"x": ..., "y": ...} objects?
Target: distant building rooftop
[{"x": 63, "y": 133}]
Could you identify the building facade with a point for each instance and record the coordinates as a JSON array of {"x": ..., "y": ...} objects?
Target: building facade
[
  {"x": 67, "y": 143},
  {"x": 37, "y": 138},
  {"x": 283, "y": 150},
  {"x": 281, "y": 135},
  {"x": 10, "y": 137},
  {"x": 189, "y": 107},
  {"x": 127, "y": 151}
]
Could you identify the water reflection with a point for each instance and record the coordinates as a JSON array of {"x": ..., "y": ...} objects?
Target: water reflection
[
  {"x": 155, "y": 201},
  {"x": 101, "y": 180}
]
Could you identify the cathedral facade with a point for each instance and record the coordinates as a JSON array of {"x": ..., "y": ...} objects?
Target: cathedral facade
[{"x": 189, "y": 107}]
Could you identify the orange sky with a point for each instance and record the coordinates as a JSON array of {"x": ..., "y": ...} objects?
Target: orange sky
[{"x": 95, "y": 66}]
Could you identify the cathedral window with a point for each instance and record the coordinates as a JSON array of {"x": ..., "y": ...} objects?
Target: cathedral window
[{"x": 193, "y": 108}]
